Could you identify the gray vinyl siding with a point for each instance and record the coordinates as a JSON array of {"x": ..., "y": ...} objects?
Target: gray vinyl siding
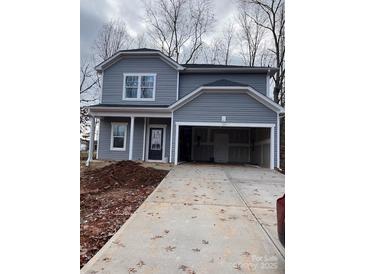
[
  {"x": 190, "y": 82},
  {"x": 166, "y": 77},
  {"x": 104, "y": 152},
  {"x": 138, "y": 138},
  {"x": 238, "y": 108},
  {"x": 104, "y": 139}
]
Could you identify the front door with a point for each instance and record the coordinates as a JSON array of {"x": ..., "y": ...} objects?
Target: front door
[{"x": 156, "y": 143}]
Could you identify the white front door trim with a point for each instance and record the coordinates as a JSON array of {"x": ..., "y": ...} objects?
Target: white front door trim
[
  {"x": 213, "y": 124},
  {"x": 163, "y": 142}
]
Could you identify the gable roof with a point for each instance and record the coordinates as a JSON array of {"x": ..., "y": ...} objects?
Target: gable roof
[
  {"x": 228, "y": 86},
  {"x": 140, "y": 51},
  {"x": 188, "y": 68}
]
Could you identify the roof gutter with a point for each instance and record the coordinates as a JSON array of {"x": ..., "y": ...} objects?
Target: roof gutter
[
  {"x": 270, "y": 71},
  {"x": 126, "y": 109}
]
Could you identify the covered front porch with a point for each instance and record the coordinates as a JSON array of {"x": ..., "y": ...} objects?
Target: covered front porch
[{"x": 139, "y": 135}]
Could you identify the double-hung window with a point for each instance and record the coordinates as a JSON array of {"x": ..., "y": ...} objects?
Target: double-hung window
[
  {"x": 139, "y": 86},
  {"x": 118, "y": 136}
]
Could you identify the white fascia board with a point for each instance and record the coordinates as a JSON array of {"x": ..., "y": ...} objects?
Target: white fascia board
[
  {"x": 129, "y": 109},
  {"x": 271, "y": 71},
  {"x": 250, "y": 91},
  {"x": 128, "y": 114},
  {"x": 265, "y": 100},
  {"x": 185, "y": 99},
  {"x": 111, "y": 60}
]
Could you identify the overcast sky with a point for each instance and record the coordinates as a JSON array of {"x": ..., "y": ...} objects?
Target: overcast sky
[{"x": 93, "y": 13}]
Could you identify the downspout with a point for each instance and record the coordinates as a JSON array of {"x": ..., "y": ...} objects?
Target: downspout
[
  {"x": 177, "y": 85},
  {"x": 91, "y": 141},
  {"x": 171, "y": 134},
  {"x": 268, "y": 84}
]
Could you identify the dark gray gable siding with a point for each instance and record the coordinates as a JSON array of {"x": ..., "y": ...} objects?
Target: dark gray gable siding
[
  {"x": 165, "y": 80},
  {"x": 190, "y": 82},
  {"x": 238, "y": 108}
]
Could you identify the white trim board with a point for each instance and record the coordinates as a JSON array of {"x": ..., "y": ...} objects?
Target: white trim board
[
  {"x": 177, "y": 85},
  {"x": 129, "y": 114},
  {"x": 144, "y": 139},
  {"x": 212, "y": 124},
  {"x": 171, "y": 134},
  {"x": 164, "y": 126},
  {"x": 131, "y": 139},
  {"x": 98, "y": 140}
]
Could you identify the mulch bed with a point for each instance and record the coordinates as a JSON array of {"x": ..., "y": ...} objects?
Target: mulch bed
[{"x": 108, "y": 197}]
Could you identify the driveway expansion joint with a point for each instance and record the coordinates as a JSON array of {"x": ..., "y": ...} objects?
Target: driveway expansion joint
[{"x": 253, "y": 214}]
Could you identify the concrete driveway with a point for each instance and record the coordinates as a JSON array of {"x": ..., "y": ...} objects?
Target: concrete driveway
[{"x": 201, "y": 219}]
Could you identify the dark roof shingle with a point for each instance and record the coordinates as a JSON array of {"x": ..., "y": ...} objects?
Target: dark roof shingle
[
  {"x": 217, "y": 66},
  {"x": 139, "y": 49},
  {"x": 224, "y": 83}
]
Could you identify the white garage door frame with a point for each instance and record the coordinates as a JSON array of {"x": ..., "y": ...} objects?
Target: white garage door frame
[{"x": 212, "y": 124}]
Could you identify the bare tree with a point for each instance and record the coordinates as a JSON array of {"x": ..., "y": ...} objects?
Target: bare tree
[
  {"x": 112, "y": 37},
  {"x": 251, "y": 34},
  {"x": 141, "y": 41},
  {"x": 219, "y": 50},
  {"x": 228, "y": 36},
  {"x": 213, "y": 53},
  {"x": 178, "y": 27},
  {"x": 89, "y": 85},
  {"x": 89, "y": 80},
  {"x": 274, "y": 23}
]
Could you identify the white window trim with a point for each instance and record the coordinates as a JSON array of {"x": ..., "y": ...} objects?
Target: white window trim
[
  {"x": 139, "y": 87},
  {"x": 112, "y": 137}
]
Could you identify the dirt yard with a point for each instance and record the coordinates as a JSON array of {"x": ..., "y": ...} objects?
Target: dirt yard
[{"x": 108, "y": 197}]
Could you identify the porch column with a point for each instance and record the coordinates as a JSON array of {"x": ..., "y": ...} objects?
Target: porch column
[
  {"x": 272, "y": 150},
  {"x": 144, "y": 140},
  {"x": 131, "y": 139},
  {"x": 91, "y": 141}
]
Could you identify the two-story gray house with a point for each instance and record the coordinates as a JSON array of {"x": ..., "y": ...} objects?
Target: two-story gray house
[{"x": 154, "y": 109}]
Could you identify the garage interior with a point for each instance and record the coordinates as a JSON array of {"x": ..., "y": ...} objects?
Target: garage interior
[{"x": 225, "y": 145}]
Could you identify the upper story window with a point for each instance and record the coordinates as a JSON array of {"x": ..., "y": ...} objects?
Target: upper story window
[{"x": 139, "y": 86}]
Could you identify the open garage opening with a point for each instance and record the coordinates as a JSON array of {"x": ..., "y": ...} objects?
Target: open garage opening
[{"x": 235, "y": 145}]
